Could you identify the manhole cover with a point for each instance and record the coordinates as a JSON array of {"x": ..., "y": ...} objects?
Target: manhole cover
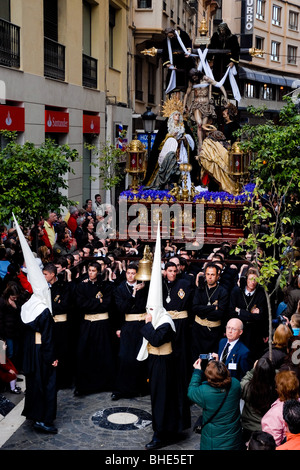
[{"x": 122, "y": 419}]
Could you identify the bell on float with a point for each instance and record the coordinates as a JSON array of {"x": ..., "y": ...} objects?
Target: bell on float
[{"x": 145, "y": 266}]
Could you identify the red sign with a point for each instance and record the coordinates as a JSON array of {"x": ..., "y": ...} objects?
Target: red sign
[
  {"x": 12, "y": 118},
  {"x": 56, "y": 121},
  {"x": 91, "y": 124}
]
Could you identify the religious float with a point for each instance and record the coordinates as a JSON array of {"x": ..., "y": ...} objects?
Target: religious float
[
  {"x": 186, "y": 214},
  {"x": 189, "y": 211}
]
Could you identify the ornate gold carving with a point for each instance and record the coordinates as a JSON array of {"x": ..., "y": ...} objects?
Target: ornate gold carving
[
  {"x": 210, "y": 217},
  {"x": 226, "y": 217}
]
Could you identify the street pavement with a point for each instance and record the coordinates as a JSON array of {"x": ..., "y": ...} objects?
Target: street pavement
[{"x": 92, "y": 422}]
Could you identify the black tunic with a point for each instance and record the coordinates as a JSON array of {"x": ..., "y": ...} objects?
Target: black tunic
[
  {"x": 181, "y": 294},
  {"x": 255, "y": 324},
  {"x": 183, "y": 64},
  {"x": 162, "y": 377},
  {"x": 41, "y": 395},
  {"x": 62, "y": 333},
  {"x": 132, "y": 374},
  {"x": 95, "y": 370},
  {"x": 221, "y": 60},
  {"x": 209, "y": 304}
]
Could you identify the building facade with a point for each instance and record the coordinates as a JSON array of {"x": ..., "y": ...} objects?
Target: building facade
[
  {"x": 62, "y": 68},
  {"x": 75, "y": 71}
]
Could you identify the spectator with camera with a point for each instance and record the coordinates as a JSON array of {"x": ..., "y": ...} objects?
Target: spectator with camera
[{"x": 218, "y": 394}]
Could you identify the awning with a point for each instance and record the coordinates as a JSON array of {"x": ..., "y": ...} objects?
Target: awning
[{"x": 255, "y": 75}]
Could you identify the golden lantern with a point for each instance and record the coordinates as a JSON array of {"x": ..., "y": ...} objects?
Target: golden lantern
[
  {"x": 203, "y": 29},
  {"x": 135, "y": 162},
  {"x": 238, "y": 165}
]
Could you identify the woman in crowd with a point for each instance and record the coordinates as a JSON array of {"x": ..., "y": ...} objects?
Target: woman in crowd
[
  {"x": 281, "y": 337},
  {"x": 287, "y": 387},
  {"x": 258, "y": 393},
  {"x": 211, "y": 389}
]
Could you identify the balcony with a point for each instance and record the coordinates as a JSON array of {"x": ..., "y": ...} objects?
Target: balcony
[
  {"x": 9, "y": 44},
  {"x": 54, "y": 59},
  {"x": 89, "y": 71}
]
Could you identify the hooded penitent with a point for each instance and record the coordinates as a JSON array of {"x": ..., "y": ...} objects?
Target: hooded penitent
[
  {"x": 41, "y": 297},
  {"x": 155, "y": 298}
]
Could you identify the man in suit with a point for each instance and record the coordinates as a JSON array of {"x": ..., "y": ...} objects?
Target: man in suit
[{"x": 236, "y": 356}]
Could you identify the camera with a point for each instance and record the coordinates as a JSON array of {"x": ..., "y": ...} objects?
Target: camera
[
  {"x": 279, "y": 320},
  {"x": 208, "y": 356}
]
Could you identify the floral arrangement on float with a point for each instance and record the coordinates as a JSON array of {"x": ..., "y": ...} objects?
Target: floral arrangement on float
[{"x": 152, "y": 195}]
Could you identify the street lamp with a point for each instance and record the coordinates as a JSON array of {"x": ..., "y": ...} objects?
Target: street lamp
[{"x": 149, "y": 119}]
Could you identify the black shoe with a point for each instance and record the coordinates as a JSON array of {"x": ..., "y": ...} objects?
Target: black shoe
[
  {"x": 16, "y": 391},
  {"x": 43, "y": 427},
  {"x": 154, "y": 444},
  {"x": 116, "y": 396}
]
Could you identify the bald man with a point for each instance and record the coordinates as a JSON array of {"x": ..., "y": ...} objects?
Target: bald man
[{"x": 233, "y": 352}]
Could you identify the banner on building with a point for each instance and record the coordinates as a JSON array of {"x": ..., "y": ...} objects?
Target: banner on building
[
  {"x": 12, "y": 118},
  {"x": 56, "y": 121}
]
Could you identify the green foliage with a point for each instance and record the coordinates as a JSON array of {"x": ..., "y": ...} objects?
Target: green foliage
[
  {"x": 32, "y": 179},
  {"x": 109, "y": 159},
  {"x": 275, "y": 151},
  {"x": 274, "y": 264}
]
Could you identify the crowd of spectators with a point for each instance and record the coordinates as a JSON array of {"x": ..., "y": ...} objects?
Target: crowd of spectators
[{"x": 84, "y": 235}]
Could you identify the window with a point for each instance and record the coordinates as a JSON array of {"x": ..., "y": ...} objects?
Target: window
[
  {"x": 51, "y": 19},
  {"x": 293, "y": 20},
  {"x": 259, "y": 44},
  {"x": 138, "y": 79},
  {"x": 144, "y": 3},
  {"x": 267, "y": 92},
  {"x": 292, "y": 55},
  {"x": 276, "y": 15},
  {"x": 54, "y": 53},
  {"x": 5, "y": 10},
  {"x": 260, "y": 9},
  {"x": 112, "y": 24},
  {"x": 86, "y": 28},
  {"x": 249, "y": 90},
  {"x": 151, "y": 83},
  {"x": 275, "y": 46}
]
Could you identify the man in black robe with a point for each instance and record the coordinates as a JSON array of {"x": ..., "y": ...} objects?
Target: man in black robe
[
  {"x": 248, "y": 302},
  {"x": 181, "y": 61},
  {"x": 163, "y": 383},
  {"x": 224, "y": 39},
  {"x": 130, "y": 299},
  {"x": 39, "y": 366},
  {"x": 62, "y": 332},
  {"x": 177, "y": 300},
  {"x": 209, "y": 307},
  {"x": 95, "y": 371},
  {"x": 39, "y": 358}
]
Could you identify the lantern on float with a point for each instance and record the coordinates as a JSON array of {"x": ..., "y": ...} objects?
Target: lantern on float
[
  {"x": 135, "y": 162},
  {"x": 238, "y": 166}
]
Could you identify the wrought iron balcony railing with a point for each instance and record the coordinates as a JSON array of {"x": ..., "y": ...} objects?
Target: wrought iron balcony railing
[
  {"x": 54, "y": 59},
  {"x": 89, "y": 71},
  {"x": 9, "y": 44}
]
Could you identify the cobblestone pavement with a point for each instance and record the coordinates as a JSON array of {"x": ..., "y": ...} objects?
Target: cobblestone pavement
[{"x": 95, "y": 422}]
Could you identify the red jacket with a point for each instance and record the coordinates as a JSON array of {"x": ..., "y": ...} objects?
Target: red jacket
[{"x": 292, "y": 442}]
